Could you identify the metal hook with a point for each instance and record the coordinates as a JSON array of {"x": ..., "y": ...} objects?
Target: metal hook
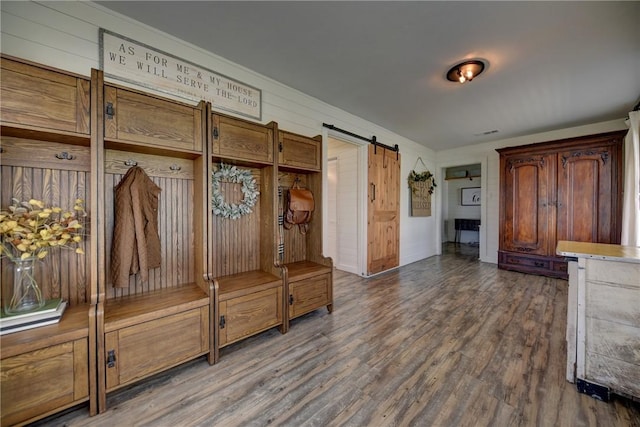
[{"x": 65, "y": 156}]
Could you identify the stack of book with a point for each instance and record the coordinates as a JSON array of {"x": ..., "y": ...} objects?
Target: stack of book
[{"x": 47, "y": 315}]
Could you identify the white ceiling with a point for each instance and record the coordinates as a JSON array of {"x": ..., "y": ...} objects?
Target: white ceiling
[{"x": 552, "y": 65}]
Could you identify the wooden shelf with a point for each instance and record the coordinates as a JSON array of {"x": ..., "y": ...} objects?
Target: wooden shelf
[
  {"x": 73, "y": 325},
  {"x": 128, "y": 311},
  {"x": 304, "y": 269},
  {"x": 240, "y": 284}
]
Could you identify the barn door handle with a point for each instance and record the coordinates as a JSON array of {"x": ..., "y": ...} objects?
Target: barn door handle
[{"x": 373, "y": 192}]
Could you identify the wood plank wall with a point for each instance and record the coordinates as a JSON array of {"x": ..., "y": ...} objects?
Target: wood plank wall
[
  {"x": 236, "y": 242},
  {"x": 175, "y": 219},
  {"x": 295, "y": 243},
  {"x": 57, "y": 182}
]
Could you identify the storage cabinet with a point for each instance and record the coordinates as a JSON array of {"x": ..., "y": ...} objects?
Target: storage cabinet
[
  {"x": 235, "y": 139},
  {"x": 44, "y": 100},
  {"x": 249, "y": 284},
  {"x": 561, "y": 190},
  {"x": 151, "y": 325},
  {"x": 146, "y": 122},
  {"x": 603, "y": 318},
  {"x": 299, "y": 152},
  {"x": 309, "y": 275},
  {"x": 46, "y": 152},
  {"x": 248, "y": 307}
]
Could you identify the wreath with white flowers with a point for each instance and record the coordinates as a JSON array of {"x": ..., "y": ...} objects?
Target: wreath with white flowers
[{"x": 228, "y": 173}]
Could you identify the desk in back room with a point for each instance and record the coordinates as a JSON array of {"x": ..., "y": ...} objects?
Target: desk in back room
[{"x": 462, "y": 224}]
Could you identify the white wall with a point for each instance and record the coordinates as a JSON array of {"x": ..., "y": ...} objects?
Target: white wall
[
  {"x": 487, "y": 155},
  {"x": 65, "y": 35}
]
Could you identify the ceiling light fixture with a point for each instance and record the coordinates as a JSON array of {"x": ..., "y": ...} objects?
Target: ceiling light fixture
[{"x": 465, "y": 71}]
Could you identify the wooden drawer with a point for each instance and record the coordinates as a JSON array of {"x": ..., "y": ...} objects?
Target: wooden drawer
[
  {"x": 41, "y": 98},
  {"x": 149, "y": 121},
  {"x": 43, "y": 381},
  {"x": 299, "y": 151},
  {"x": 526, "y": 261},
  {"x": 238, "y": 139},
  {"x": 619, "y": 273},
  {"x": 309, "y": 294},
  {"x": 150, "y": 347},
  {"x": 247, "y": 315}
]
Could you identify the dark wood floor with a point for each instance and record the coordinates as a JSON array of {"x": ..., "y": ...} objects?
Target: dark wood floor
[{"x": 446, "y": 341}]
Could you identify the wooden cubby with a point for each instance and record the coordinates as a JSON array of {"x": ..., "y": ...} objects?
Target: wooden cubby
[
  {"x": 250, "y": 287},
  {"x": 220, "y": 280},
  {"x": 46, "y": 155},
  {"x": 148, "y": 327},
  {"x": 308, "y": 274}
]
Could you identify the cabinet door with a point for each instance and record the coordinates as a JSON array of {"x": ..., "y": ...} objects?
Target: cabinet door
[
  {"x": 33, "y": 96},
  {"x": 587, "y": 198},
  {"x": 150, "y": 121},
  {"x": 308, "y": 295},
  {"x": 238, "y": 139},
  {"x": 144, "y": 349},
  {"x": 43, "y": 381},
  {"x": 249, "y": 314},
  {"x": 299, "y": 151},
  {"x": 528, "y": 203}
]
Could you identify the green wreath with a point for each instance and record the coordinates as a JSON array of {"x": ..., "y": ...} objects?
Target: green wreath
[
  {"x": 422, "y": 177},
  {"x": 228, "y": 173}
]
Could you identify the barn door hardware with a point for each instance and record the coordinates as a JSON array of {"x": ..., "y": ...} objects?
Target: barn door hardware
[
  {"x": 223, "y": 322},
  {"x": 373, "y": 140}
]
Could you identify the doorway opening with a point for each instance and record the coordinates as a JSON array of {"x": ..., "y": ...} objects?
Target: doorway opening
[
  {"x": 462, "y": 210},
  {"x": 343, "y": 234}
]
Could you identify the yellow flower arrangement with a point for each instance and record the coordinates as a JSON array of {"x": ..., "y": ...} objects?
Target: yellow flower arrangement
[{"x": 29, "y": 229}]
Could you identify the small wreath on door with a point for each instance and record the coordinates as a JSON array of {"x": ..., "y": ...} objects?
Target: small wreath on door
[{"x": 228, "y": 173}]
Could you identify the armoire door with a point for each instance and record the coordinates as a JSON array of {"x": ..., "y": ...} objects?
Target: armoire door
[
  {"x": 586, "y": 196},
  {"x": 383, "y": 213},
  {"x": 528, "y": 197}
]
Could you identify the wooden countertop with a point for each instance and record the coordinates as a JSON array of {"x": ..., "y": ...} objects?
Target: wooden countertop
[{"x": 598, "y": 251}]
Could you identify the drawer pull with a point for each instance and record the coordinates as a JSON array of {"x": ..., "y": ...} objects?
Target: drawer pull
[
  {"x": 222, "y": 322},
  {"x": 290, "y": 299},
  {"x": 111, "y": 359},
  {"x": 109, "y": 110},
  {"x": 538, "y": 264}
]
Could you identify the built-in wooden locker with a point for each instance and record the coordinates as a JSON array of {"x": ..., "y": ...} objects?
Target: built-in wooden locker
[
  {"x": 561, "y": 190},
  {"x": 149, "y": 326},
  {"x": 249, "y": 284},
  {"x": 309, "y": 274},
  {"x": 46, "y": 155}
]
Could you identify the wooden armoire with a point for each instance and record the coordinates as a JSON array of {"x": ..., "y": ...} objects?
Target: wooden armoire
[{"x": 569, "y": 189}]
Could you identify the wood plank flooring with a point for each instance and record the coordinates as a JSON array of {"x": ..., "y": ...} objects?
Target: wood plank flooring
[{"x": 446, "y": 341}]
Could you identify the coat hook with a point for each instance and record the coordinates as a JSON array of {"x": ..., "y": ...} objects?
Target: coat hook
[
  {"x": 131, "y": 163},
  {"x": 65, "y": 156},
  {"x": 175, "y": 167}
]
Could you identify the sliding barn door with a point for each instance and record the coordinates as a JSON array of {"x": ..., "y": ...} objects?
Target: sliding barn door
[{"x": 383, "y": 213}]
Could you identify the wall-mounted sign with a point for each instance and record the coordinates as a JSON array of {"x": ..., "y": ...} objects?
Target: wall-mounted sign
[
  {"x": 470, "y": 196},
  {"x": 133, "y": 62},
  {"x": 420, "y": 198}
]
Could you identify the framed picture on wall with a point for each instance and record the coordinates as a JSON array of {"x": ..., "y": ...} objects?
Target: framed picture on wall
[{"x": 470, "y": 196}]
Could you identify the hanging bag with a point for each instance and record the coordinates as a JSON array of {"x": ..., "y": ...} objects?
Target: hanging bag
[{"x": 299, "y": 207}]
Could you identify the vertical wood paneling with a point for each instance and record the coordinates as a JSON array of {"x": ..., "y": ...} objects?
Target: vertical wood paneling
[
  {"x": 63, "y": 273},
  {"x": 236, "y": 242},
  {"x": 175, "y": 225}
]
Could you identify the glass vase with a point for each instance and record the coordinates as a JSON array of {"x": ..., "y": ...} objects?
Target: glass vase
[{"x": 25, "y": 295}]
